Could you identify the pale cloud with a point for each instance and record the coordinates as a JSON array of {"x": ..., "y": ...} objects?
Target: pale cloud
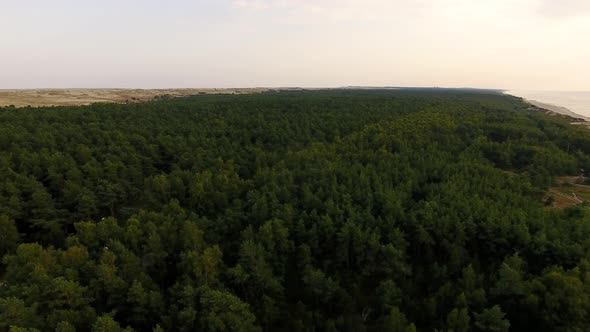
[
  {"x": 563, "y": 8},
  {"x": 487, "y": 43},
  {"x": 529, "y": 44},
  {"x": 321, "y": 11},
  {"x": 251, "y": 4},
  {"x": 293, "y": 10}
]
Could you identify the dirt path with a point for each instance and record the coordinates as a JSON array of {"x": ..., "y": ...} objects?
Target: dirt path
[{"x": 571, "y": 198}]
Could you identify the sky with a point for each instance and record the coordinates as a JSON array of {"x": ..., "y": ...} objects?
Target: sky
[{"x": 508, "y": 44}]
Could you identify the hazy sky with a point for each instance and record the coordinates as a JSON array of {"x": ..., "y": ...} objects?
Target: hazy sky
[{"x": 514, "y": 44}]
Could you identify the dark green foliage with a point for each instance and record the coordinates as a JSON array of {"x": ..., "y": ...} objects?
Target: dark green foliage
[
  {"x": 309, "y": 211},
  {"x": 9, "y": 236},
  {"x": 491, "y": 320}
]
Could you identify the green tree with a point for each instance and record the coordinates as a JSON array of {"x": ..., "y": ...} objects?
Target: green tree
[
  {"x": 22, "y": 329},
  {"x": 65, "y": 327},
  {"x": 14, "y": 312},
  {"x": 9, "y": 236},
  {"x": 458, "y": 320},
  {"x": 397, "y": 322},
  {"x": 491, "y": 320},
  {"x": 222, "y": 311},
  {"x": 108, "y": 324}
]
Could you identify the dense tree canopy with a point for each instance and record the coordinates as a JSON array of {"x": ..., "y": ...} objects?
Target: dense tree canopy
[{"x": 292, "y": 211}]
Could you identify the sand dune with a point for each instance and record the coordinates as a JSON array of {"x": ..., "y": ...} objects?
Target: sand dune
[{"x": 69, "y": 97}]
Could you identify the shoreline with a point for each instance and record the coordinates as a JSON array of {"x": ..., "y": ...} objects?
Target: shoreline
[
  {"x": 553, "y": 109},
  {"x": 551, "y": 102},
  {"x": 556, "y": 109}
]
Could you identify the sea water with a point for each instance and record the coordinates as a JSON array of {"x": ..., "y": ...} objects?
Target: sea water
[{"x": 576, "y": 101}]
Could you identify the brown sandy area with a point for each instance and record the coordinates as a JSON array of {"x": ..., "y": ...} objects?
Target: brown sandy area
[{"x": 70, "y": 97}]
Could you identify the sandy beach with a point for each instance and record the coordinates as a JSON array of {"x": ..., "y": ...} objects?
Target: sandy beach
[
  {"x": 571, "y": 103},
  {"x": 557, "y": 109}
]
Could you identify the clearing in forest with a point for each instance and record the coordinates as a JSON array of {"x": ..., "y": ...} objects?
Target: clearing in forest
[{"x": 568, "y": 191}]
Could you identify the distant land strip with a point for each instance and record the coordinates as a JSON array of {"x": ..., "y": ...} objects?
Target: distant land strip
[
  {"x": 87, "y": 96},
  {"x": 75, "y": 97}
]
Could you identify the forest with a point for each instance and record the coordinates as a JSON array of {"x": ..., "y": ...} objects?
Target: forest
[{"x": 344, "y": 210}]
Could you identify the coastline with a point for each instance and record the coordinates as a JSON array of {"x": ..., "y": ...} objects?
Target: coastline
[
  {"x": 556, "y": 109},
  {"x": 553, "y": 109},
  {"x": 568, "y": 103}
]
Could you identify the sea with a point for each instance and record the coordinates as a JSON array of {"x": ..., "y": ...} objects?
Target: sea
[{"x": 575, "y": 101}]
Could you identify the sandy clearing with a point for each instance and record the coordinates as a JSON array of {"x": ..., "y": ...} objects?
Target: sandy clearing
[{"x": 568, "y": 191}]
